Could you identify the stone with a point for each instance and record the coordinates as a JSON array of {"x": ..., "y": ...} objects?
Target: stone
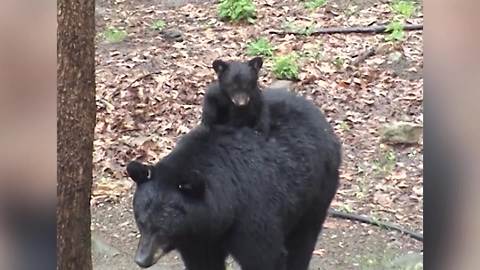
[
  {"x": 282, "y": 84},
  {"x": 401, "y": 133},
  {"x": 173, "y": 34}
]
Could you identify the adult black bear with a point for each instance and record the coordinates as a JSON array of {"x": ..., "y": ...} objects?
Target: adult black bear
[
  {"x": 235, "y": 99},
  {"x": 263, "y": 202}
]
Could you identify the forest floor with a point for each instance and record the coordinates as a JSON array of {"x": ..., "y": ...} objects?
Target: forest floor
[{"x": 144, "y": 120}]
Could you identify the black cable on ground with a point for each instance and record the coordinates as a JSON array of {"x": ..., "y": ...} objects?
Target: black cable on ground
[{"x": 364, "y": 219}]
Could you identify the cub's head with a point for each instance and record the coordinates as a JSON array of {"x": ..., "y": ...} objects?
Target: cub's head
[
  {"x": 238, "y": 79},
  {"x": 167, "y": 205}
]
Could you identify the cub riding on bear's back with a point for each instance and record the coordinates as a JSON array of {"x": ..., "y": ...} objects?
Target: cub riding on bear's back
[{"x": 235, "y": 99}]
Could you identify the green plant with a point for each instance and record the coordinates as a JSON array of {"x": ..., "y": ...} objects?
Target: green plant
[
  {"x": 338, "y": 62},
  {"x": 286, "y": 67},
  {"x": 396, "y": 31},
  {"x": 385, "y": 163},
  {"x": 363, "y": 187},
  {"x": 158, "y": 25},
  {"x": 114, "y": 35},
  {"x": 377, "y": 221},
  {"x": 313, "y": 4},
  {"x": 343, "y": 125},
  {"x": 260, "y": 47},
  {"x": 235, "y": 10},
  {"x": 404, "y": 8},
  {"x": 346, "y": 208}
]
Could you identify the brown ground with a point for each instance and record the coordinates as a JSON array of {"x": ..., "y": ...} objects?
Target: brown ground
[
  {"x": 342, "y": 244},
  {"x": 145, "y": 120}
]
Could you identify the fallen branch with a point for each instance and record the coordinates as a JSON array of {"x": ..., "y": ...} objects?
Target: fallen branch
[
  {"x": 364, "y": 56},
  {"x": 347, "y": 30},
  {"x": 364, "y": 219}
]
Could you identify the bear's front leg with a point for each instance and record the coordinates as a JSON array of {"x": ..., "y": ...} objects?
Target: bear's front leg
[
  {"x": 262, "y": 251},
  {"x": 202, "y": 256}
]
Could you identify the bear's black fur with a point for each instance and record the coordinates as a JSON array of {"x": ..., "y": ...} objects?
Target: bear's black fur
[
  {"x": 263, "y": 202},
  {"x": 235, "y": 99}
]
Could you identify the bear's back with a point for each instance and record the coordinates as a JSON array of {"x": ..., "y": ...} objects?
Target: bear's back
[{"x": 240, "y": 162}]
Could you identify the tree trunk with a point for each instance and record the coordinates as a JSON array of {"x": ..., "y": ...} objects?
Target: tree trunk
[{"x": 75, "y": 129}]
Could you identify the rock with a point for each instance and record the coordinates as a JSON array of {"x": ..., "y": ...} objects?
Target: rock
[
  {"x": 395, "y": 57},
  {"x": 282, "y": 84},
  {"x": 409, "y": 261},
  {"x": 173, "y": 34},
  {"x": 401, "y": 133},
  {"x": 102, "y": 248}
]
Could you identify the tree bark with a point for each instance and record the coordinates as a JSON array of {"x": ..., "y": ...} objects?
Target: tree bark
[{"x": 75, "y": 131}]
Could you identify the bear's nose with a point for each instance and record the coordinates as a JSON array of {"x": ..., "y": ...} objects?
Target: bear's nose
[
  {"x": 143, "y": 261},
  {"x": 145, "y": 251}
]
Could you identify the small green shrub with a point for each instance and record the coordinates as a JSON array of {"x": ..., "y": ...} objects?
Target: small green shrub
[
  {"x": 235, "y": 10},
  {"x": 395, "y": 28},
  {"x": 286, "y": 67},
  {"x": 260, "y": 47},
  {"x": 386, "y": 163},
  {"x": 346, "y": 208},
  {"x": 344, "y": 125},
  {"x": 158, "y": 25},
  {"x": 313, "y": 4},
  {"x": 338, "y": 62},
  {"x": 114, "y": 35},
  {"x": 404, "y": 8}
]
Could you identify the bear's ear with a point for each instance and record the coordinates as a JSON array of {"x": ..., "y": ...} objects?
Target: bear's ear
[
  {"x": 256, "y": 64},
  {"x": 139, "y": 172},
  {"x": 194, "y": 189},
  {"x": 219, "y": 66}
]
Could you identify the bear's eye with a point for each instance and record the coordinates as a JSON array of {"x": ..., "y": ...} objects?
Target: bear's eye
[
  {"x": 192, "y": 190},
  {"x": 183, "y": 187}
]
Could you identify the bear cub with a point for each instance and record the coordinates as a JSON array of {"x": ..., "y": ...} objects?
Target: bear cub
[{"x": 235, "y": 100}]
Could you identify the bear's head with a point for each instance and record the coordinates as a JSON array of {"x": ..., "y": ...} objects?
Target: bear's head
[
  {"x": 167, "y": 205},
  {"x": 239, "y": 80}
]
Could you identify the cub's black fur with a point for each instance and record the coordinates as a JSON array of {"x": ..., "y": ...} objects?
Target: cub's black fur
[{"x": 235, "y": 99}]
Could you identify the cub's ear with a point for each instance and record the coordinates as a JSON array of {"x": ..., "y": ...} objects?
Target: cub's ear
[
  {"x": 256, "y": 63},
  {"x": 219, "y": 66},
  {"x": 139, "y": 172}
]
